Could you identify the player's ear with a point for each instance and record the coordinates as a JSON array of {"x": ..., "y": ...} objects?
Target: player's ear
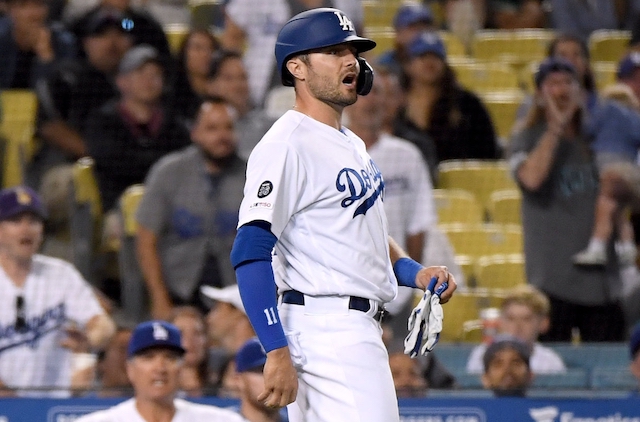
[{"x": 297, "y": 68}]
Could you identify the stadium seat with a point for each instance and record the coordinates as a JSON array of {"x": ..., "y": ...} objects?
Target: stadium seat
[
  {"x": 503, "y": 109},
  {"x": 505, "y": 206},
  {"x": 482, "y": 77},
  {"x": 457, "y": 206},
  {"x": 574, "y": 378},
  {"x": 85, "y": 217},
  {"x": 464, "y": 307},
  {"x": 453, "y": 45},
  {"x": 501, "y": 271},
  {"x": 176, "y": 34},
  {"x": 17, "y": 126},
  {"x": 612, "y": 378},
  {"x": 592, "y": 355},
  {"x": 379, "y": 13},
  {"x": 480, "y": 177},
  {"x": 207, "y": 14},
  {"x": 607, "y": 45},
  {"x": 384, "y": 38},
  {"x": 476, "y": 240},
  {"x": 133, "y": 295},
  {"x": 605, "y": 74},
  {"x": 515, "y": 47}
]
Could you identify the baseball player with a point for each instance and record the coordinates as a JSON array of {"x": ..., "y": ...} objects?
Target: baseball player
[
  {"x": 314, "y": 194},
  {"x": 47, "y": 310},
  {"x": 154, "y": 359}
]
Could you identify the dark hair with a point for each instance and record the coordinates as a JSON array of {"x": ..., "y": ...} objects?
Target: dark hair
[
  {"x": 219, "y": 58},
  {"x": 588, "y": 81},
  {"x": 182, "y": 52}
]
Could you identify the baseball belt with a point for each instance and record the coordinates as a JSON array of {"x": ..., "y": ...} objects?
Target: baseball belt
[{"x": 294, "y": 297}]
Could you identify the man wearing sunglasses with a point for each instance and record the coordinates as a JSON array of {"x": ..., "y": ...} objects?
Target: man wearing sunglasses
[{"x": 47, "y": 310}]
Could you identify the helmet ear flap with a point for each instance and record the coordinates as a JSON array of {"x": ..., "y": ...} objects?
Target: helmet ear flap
[{"x": 365, "y": 77}]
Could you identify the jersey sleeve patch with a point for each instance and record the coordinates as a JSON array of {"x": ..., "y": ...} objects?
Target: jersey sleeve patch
[{"x": 265, "y": 189}]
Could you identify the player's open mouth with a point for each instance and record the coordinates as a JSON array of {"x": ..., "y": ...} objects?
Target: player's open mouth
[{"x": 349, "y": 79}]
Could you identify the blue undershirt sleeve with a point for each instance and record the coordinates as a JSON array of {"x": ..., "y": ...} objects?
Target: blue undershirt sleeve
[
  {"x": 406, "y": 270},
  {"x": 251, "y": 257}
]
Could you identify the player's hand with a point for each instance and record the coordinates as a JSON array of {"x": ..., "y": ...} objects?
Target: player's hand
[
  {"x": 280, "y": 379},
  {"x": 442, "y": 274}
]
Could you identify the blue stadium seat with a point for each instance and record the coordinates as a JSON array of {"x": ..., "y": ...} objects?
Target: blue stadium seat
[
  {"x": 590, "y": 355},
  {"x": 611, "y": 378},
  {"x": 573, "y": 378},
  {"x": 454, "y": 356}
]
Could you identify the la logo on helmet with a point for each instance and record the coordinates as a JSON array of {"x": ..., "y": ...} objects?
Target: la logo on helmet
[{"x": 345, "y": 22}]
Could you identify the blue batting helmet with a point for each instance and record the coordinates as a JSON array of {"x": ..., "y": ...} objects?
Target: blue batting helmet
[{"x": 315, "y": 28}]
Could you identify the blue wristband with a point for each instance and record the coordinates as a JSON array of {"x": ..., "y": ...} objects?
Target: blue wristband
[{"x": 406, "y": 270}]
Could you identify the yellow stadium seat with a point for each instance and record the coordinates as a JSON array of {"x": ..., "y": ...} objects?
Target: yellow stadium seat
[
  {"x": 464, "y": 308},
  {"x": 526, "y": 76},
  {"x": 515, "y": 47},
  {"x": 17, "y": 126},
  {"x": 384, "y": 38},
  {"x": 85, "y": 217},
  {"x": 504, "y": 206},
  {"x": 503, "y": 109},
  {"x": 605, "y": 74},
  {"x": 176, "y": 34},
  {"x": 480, "y": 177},
  {"x": 457, "y": 206},
  {"x": 133, "y": 295},
  {"x": 453, "y": 44},
  {"x": 379, "y": 13},
  {"x": 500, "y": 271},
  {"x": 476, "y": 240},
  {"x": 482, "y": 77},
  {"x": 607, "y": 45}
]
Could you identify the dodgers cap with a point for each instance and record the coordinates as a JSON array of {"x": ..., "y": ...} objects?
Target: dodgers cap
[
  {"x": 19, "y": 199},
  {"x": 628, "y": 64},
  {"x": 250, "y": 356},
  {"x": 411, "y": 13},
  {"x": 427, "y": 42},
  {"x": 153, "y": 334}
]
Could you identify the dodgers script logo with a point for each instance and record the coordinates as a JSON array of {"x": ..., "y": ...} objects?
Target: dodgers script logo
[
  {"x": 360, "y": 183},
  {"x": 37, "y": 326}
]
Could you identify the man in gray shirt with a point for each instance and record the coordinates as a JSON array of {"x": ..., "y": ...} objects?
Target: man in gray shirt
[
  {"x": 188, "y": 215},
  {"x": 554, "y": 168}
]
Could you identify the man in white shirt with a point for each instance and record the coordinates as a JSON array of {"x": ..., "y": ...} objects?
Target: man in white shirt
[
  {"x": 525, "y": 315},
  {"x": 154, "y": 359}
]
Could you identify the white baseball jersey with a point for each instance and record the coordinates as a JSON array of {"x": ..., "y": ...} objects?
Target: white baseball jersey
[
  {"x": 54, "y": 294},
  {"x": 408, "y": 193},
  {"x": 185, "y": 412},
  {"x": 322, "y": 194}
]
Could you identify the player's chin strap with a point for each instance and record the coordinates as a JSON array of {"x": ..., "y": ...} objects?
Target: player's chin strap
[
  {"x": 365, "y": 77},
  {"x": 425, "y": 322}
]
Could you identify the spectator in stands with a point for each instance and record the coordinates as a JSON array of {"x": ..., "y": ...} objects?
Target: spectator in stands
[
  {"x": 73, "y": 91},
  {"x": 111, "y": 370},
  {"x": 228, "y": 329},
  {"x": 506, "y": 367},
  {"x": 393, "y": 95},
  {"x": 576, "y": 51},
  {"x": 581, "y": 18},
  {"x": 408, "y": 200},
  {"x": 411, "y": 19},
  {"x": 629, "y": 72},
  {"x": 444, "y": 120},
  {"x": 252, "y": 26},
  {"x": 249, "y": 361},
  {"x": 407, "y": 377},
  {"x": 41, "y": 298},
  {"x": 143, "y": 27},
  {"x": 188, "y": 215},
  {"x": 524, "y": 314},
  {"x": 228, "y": 79},
  {"x": 193, "y": 376},
  {"x": 634, "y": 349},
  {"x": 128, "y": 134},
  {"x": 188, "y": 84},
  {"x": 30, "y": 45},
  {"x": 516, "y": 14},
  {"x": 555, "y": 170}
]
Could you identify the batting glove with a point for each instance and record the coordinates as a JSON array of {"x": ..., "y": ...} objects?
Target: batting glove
[{"x": 425, "y": 322}]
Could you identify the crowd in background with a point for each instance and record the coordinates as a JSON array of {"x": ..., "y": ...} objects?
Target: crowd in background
[{"x": 183, "y": 124}]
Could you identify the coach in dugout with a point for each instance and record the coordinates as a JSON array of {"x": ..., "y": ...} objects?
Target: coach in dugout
[
  {"x": 155, "y": 356},
  {"x": 47, "y": 310}
]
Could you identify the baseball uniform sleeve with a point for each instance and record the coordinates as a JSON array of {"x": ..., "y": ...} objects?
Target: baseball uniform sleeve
[
  {"x": 80, "y": 302},
  {"x": 275, "y": 180}
]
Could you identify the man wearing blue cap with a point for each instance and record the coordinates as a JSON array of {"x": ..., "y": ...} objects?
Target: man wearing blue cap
[
  {"x": 153, "y": 365},
  {"x": 47, "y": 310},
  {"x": 250, "y": 360}
]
